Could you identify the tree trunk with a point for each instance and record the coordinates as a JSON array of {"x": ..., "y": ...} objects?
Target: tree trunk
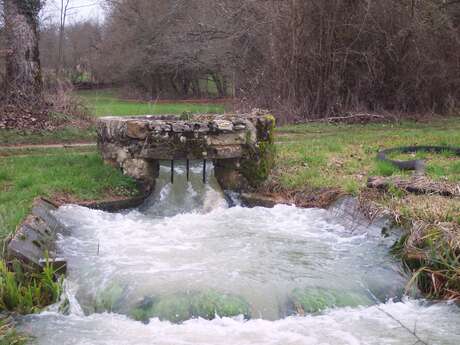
[{"x": 23, "y": 71}]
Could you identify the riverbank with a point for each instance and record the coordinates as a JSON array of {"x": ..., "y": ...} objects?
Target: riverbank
[
  {"x": 72, "y": 175},
  {"x": 317, "y": 163}
]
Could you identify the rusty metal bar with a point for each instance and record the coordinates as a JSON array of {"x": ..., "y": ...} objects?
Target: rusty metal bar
[
  {"x": 204, "y": 171},
  {"x": 188, "y": 170},
  {"x": 172, "y": 171}
]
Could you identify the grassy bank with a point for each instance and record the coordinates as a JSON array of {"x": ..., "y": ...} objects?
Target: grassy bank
[
  {"x": 73, "y": 175},
  {"x": 76, "y": 174},
  {"x": 107, "y": 103},
  {"x": 321, "y": 156}
]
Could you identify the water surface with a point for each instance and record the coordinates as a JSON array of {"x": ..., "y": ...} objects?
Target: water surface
[{"x": 185, "y": 239}]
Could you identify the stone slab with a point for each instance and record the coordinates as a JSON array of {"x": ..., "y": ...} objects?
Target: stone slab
[{"x": 35, "y": 239}]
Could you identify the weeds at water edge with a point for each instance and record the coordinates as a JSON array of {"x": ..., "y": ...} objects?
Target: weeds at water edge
[{"x": 25, "y": 292}]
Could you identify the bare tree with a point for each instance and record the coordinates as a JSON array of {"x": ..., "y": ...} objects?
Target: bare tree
[
  {"x": 23, "y": 70},
  {"x": 63, "y": 10},
  {"x": 302, "y": 58}
]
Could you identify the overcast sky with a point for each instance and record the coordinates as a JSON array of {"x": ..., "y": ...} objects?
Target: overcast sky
[{"x": 82, "y": 9}]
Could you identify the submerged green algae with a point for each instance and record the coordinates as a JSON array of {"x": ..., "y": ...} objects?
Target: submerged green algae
[
  {"x": 181, "y": 307},
  {"x": 315, "y": 300}
]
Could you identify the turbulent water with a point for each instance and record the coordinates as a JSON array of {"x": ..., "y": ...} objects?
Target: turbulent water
[{"x": 186, "y": 240}]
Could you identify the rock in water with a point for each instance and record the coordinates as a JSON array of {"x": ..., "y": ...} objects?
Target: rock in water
[
  {"x": 314, "y": 300},
  {"x": 109, "y": 299},
  {"x": 182, "y": 307},
  {"x": 210, "y": 304}
]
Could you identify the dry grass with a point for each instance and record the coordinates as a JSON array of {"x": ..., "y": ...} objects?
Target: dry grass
[{"x": 431, "y": 246}]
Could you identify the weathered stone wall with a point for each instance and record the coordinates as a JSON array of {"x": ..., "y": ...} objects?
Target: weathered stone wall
[
  {"x": 241, "y": 146},
  {"x": 34, "y": 243}
]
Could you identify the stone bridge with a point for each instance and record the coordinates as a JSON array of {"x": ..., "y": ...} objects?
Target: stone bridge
[{"x": 240, "y": 146}]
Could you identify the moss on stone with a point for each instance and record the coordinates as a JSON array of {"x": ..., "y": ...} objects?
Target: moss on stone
[
  {"x": 181, "y": 307},
  {"x": 175, "y": 309},
  {"x": 108, "y": 299},
  {"x": 260, "y": 161},
  {"x": 209, "y": 304},
  {"x": 256, "y": 168},
  {"x": 270, "y": 119},
  {"x": 314, "y": 300}
]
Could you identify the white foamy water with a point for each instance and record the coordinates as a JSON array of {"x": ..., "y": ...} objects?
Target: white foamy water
[
  {"x": 435, "y": 325},
  {"x": 185, "y": 239}
]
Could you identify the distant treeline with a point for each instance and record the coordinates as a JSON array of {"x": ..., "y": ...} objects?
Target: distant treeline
[{"x": 301, "y": 58}]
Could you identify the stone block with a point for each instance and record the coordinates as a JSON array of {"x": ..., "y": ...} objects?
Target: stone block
[
  {"x": 34, "y": 241},
  {"x": 137, "y": 129},
  {"x": 223, "y": 125},
  {"x": 139, "y": 169},
  {"x": 226, "y": 139},
  {"x": 181, "y": 127}
]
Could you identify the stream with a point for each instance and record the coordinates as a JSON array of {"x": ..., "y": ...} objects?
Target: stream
[{"x": 186, "y": 268}]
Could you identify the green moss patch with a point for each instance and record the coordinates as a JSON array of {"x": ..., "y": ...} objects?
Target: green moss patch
[
  {"x": 109, "y": 299},
  {"x": 258, "y": 166},
  {"x": 314, "y": 300},
  {"x": 181, "y": 307}
]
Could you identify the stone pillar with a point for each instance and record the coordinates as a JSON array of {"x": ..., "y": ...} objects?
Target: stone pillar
[
  {"x": 253, "y": 168},
  {"x": 228, "y": 175},
  {"x": 142, "y": 170},
  {"x": 259, "y": 157}
]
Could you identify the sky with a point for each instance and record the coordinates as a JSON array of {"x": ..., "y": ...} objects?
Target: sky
[{"x": 82, "y": 9}]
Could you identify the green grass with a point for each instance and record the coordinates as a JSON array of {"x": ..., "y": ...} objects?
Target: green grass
[
  {"x": 341, "y": 156},
  {"x": 61, "y": 136},
  {"x": 106, "y": 103},
  {"x": 81, "y": 175}
]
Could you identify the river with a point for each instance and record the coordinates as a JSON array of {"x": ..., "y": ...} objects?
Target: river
[{"x": 296, "y": 276}]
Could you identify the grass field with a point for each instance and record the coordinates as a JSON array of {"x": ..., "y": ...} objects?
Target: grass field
[
  {"x": 106, "y": 103},
  {"x": 343, "y": 156},
  {"x": 77, "y": 173}
]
